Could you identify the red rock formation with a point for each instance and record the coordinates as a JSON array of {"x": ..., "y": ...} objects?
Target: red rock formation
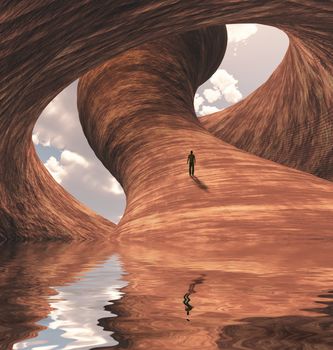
[
  {"x": 135, "y": 108},
  {"x": 137, "y": 114},
  {"x": 47, "y": 44},
  {"x": 289, "y": 119}
]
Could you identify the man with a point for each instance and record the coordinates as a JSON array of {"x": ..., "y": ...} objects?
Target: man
[{"x": 191, "y": 162}]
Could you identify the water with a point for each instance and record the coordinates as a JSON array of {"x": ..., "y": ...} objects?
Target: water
[
  {"x": 71, "y": 324},
  {"x": 238, "y": 294}
]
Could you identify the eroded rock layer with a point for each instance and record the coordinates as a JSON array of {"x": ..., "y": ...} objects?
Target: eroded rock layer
[
  {"x": 45, "y": 45},
  {"x": 134, "y": 108},
  {"x": 137, "y": 114},
  {"x": 289, "y": 119}
]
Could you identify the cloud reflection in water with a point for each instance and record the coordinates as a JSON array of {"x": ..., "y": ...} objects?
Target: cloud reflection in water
[{"x": 72, "y": 324}]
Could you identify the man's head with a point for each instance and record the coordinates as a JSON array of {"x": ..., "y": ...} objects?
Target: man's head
[{"x": 191, "y": 152}]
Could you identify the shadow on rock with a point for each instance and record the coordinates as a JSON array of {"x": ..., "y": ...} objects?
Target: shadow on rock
[{"x": 199, "y": 183}]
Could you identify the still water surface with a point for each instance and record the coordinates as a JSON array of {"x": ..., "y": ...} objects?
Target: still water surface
[{"x": 238, "y": 294}]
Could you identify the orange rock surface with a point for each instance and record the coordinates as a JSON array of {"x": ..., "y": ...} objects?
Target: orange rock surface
[{"x": 45, "y": 45}]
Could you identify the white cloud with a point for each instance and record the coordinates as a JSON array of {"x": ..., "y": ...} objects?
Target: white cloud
[
  {"x": 212, "y": 95},
  {"x": 198, "y": 101},
  {"x": 208, "y": 110},
  {"x": 74, "y": 166},
  {"x": 113, "y": 187},
  {"x": 58, "y": 122},
  {"x": 221, "y": 79},
  {"x": 86, "y": 180},
  {"x": 232, "y": 94},
  {"x": 70, "y": 163},
  {"x": 78, "y": 170},
  {"x": 227, "y": 85},
  {"x": 35, "y": 139},
  {"x": 240, "y": 32},
  {"x": 69, "y": 158},
  {"x": 55, "y": 169},
  {"x": 224, "y": 84}
]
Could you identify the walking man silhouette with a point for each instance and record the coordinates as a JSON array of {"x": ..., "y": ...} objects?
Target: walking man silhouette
[{"x": 191, "y": 162}]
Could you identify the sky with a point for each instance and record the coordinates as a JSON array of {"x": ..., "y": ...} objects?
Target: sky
[{"x": 253, "y": 53}]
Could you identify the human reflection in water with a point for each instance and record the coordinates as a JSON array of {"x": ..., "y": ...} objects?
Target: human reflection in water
[{"x": 186, "y": 301}]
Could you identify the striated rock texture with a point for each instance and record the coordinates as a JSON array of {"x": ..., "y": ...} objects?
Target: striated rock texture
[
  {"x": 45, "y": 45},
  {"x": 137, "y": 114},
  {"x": 289, "y": 119},
  {"x": 137, "y": 111}
]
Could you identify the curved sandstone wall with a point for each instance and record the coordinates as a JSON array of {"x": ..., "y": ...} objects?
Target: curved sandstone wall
[
  {"x": 45, "y": 45},
  {"x": 289, "y": 119},
  {"x": 135, "y": 108}
]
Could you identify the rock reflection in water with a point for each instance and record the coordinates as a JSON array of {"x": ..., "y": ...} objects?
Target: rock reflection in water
[
  {"x": 255, "y": 295},
  {"x": 286, "y": 332},
  {"x": 44, "y": 297}
]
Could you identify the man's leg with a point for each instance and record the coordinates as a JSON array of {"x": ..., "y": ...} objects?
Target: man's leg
[{"x": 189, "y": 169}]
